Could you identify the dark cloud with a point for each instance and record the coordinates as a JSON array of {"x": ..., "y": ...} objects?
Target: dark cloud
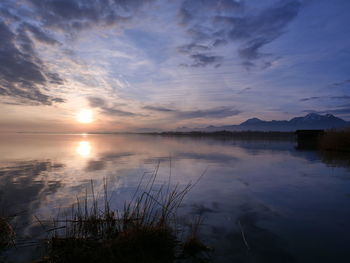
[
  {"x": 8, "y": 14},
  {"x": 76, "y": 15},
  {"x": 40, "y": 34},
  {"x": 22, "y": 73},
  {"x": 188, "y": 49},
  {"x": 244, "y": 90},
  {"x": 156, "y": 108},
  {"x": 184, "y": 16},
  {"x": 58, "y": 100},
  {"x": 219, "y": 42},
  {"x": 96, "y": 102},
  {"x": 343, "y": 97},
  {"x": 248, "y": 64},
  {"x": 100, "y": 103},
  {"x": 339, "y": 84},
  {"x": 251, "y": 50},
  {"x": 202, "y": 60},
  {"x": 310, "y": 98},
  {"x": 220, "y": 112},
  {"x": 345, "y": 110},
  {"x": 54, "y": 78},
  {"x": 227, "y": 22},
  {"x": 117, "y": 112}
]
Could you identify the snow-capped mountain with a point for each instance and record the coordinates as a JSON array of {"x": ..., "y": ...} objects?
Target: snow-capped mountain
[{"x": 311, "y": 121}]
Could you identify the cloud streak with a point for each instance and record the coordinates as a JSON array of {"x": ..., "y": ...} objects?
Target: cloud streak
[
  {"x": 219, "y": 112},
  {"x": 343, "y": 97},
  {"x": 96, "y": 102}
]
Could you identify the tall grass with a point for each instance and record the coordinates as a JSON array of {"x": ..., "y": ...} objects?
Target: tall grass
[
  {"x": 145, "y": 230},
  {"x": 6, "y": 233},
  {"x": 336, "y": 140}
]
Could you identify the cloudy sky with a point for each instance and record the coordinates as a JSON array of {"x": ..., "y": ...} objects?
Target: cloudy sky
[{"x": 170, "y": 63}]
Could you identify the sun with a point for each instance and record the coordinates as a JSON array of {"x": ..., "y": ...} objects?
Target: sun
[{"x": 84, "y": 116}]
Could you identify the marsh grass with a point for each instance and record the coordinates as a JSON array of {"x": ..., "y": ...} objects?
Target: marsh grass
[
  {"x": 7, "y": 233},
  {"x": 145, "y": 230},
  {"x": 336, "y": 140},
  {"x": 193, "y": 245}
]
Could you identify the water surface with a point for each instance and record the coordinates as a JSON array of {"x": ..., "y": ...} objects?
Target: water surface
[{"x": 293, "y": 206}]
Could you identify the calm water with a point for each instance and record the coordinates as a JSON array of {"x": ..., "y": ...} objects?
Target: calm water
[{"x": 293, "y": 205}]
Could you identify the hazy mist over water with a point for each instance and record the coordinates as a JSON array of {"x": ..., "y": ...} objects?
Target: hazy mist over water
[{"x": 293, "y": 205}]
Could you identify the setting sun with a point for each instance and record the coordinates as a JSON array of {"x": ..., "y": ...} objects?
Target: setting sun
[{"x": 84, "y": 116}]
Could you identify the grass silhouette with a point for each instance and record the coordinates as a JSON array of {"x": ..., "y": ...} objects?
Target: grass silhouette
[{"x": 145, "y": 230}]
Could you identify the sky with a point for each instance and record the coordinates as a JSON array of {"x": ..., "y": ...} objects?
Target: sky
[{"x": 148, "y": 64}]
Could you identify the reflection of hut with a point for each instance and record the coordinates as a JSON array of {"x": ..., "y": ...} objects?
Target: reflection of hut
[{"x": 308, "y": 139}]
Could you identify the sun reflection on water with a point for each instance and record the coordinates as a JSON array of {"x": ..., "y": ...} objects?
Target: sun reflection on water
[{"x": 84, "y": 149}]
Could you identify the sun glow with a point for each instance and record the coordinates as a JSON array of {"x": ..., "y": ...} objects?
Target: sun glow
[
  {"x": 84, "y": 149},
  {"x": 84, "y": 116}
]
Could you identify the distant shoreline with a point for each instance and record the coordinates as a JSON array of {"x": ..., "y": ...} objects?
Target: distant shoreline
[
  {"x": 235, "y": 134},
  {"x": 231, "y": 134}
]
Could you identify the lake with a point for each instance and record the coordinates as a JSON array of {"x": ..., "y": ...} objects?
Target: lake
[{"x": 292, "y": 205}]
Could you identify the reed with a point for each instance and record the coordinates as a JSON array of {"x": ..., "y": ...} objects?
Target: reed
[
  {"x": 7, "y": 234},
  {"x": 146, "y": 230},
  {"x": 336, "y": 140}
]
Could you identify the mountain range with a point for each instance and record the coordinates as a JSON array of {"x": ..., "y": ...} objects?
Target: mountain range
[{"x": 312, "y": 121}]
